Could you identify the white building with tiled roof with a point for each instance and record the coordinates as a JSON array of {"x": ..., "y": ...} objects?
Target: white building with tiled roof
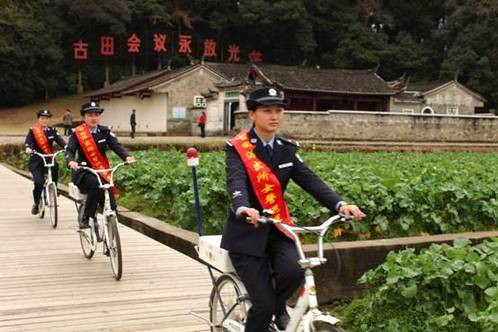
[{"x": 438, "y": 97}]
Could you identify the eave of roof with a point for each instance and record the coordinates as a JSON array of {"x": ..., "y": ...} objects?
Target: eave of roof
[{"x": 121, "y": 85}]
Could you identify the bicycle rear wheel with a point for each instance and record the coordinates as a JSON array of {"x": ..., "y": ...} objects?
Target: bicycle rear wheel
[
  {"x": 52, "y": 204},
  {"x": 114, "y": 247},
  {"x": 86, "y": 238},
  {"x": 41, "y": 205},
  {"x": 232, "y": 305}
]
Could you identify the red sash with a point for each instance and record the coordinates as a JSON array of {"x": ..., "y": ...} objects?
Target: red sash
[
  {"x": 92, "y": 153},
  {"x": 264, "y": 182},
  {"x": 41, "y": 140}
]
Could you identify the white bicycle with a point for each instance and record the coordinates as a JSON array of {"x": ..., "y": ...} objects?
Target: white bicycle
[
  {"x": 49, "y": 193},
  {"x": 229, "y": 301},
  {"x": 105, "y": 231}
]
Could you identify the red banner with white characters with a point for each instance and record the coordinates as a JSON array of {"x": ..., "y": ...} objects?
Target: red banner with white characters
[
  {"x": 92, "y": 153},
  {"x": 41, "y": 140}
]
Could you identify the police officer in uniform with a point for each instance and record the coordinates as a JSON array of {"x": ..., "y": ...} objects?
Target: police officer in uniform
[
  {"x": 86, "y": 181},
  {"x": 35, "y": 163},
  {"x": 262, "y": 252}
]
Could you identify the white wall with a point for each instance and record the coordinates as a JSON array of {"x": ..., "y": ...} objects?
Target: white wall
[
  {"x": 214, "y": 115},
  {"x": 453, "y": 96},
  {"x": 150, "y": 113}
]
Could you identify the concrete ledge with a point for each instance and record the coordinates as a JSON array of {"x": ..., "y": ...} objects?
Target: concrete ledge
[{"x": 347, "y": 261}]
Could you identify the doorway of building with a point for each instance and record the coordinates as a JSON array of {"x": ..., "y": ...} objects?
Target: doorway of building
[{"x": 229, "y": 109}]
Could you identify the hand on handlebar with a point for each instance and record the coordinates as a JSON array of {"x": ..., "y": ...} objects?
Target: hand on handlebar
[
  {"x": 352, "y": 210},
  {"x": 29, "y": 151},
  {"x": 252, "y": 215},
  {"x": 130, "y": 160},
  {"x": 73, "y": 165}
]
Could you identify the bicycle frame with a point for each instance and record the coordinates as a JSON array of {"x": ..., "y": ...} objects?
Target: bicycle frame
[
  {"x": 107, "y": 210},
  {"x": 307, "y": 298},
  {"x": 306, "y": 308}
]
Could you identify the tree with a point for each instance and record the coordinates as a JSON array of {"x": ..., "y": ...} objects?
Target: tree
[
  {"x": 470, "y": 38},
  {"x": 361, "y": 48}
]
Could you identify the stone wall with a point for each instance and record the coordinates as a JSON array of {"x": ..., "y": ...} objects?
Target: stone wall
[{"x": 381, "y": 126}]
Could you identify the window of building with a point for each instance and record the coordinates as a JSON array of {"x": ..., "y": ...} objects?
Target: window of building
[
  {"x": 179, "y": 112},
  {"x": 427, "y": 110},
  {"x": 452, "y": 110}
]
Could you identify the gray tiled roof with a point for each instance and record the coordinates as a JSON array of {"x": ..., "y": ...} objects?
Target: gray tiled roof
[
  {"x": 327, "y": 80},
  {"x": 287, "y": 77},
  {"x": 121, "y": 85}
]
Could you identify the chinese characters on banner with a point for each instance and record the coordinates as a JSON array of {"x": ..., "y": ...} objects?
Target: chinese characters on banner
[
  {"x": 234, "y": 51},
  {"x": 160, "y": 42},
  {"x": 80, "y": 50},
  {"x": 184, "y": 44},
  {"x": 134, "y": 43},
  {"x": 107, "y": 45},
  {"x": 209, "y": 48}
]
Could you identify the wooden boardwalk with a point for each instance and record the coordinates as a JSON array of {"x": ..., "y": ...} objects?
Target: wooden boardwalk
[{"x": 47, "y": 285}]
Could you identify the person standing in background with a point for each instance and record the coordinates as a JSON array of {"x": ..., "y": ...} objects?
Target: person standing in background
[
  {"x": 133, "y": 123},
  {"x": 67, "y": 121},
  {"x": 202, "y": 123}
]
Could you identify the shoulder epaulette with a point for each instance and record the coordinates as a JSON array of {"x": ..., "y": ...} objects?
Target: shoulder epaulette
[
  {"x": 289, "y": 141},
  {"x": 229, "y": 143}
]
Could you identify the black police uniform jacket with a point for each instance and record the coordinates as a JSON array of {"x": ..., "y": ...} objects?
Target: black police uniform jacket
[
  {"x": 104, "y": 138},
  {"x": 30, "y": 142},
  {"x": 242, "y": 237}
]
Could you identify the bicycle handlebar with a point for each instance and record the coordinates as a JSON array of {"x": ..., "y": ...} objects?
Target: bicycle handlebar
[
  {"x": 51, "y": 155},
  {"x": 97, "y": 172},
  {"x": 320, "y": 230}
]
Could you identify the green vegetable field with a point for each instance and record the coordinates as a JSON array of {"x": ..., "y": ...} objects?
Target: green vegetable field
[{"x": 403, "y": 194}]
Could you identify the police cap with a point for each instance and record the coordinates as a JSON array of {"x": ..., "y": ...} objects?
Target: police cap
[
  {"x": 265, "y": 96},
  {"x": 43, "y": 113},
  {"x": 91, "y": 107}
]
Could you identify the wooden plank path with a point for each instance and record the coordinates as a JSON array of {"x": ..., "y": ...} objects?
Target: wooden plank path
[{"x": 46, "y": 284}]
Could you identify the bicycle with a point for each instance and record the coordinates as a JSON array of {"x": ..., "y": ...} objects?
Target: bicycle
[
  {"x": 229, "y": 301},
  {"x": 106, "y": 231},
  {"x": 49, "y": 193}
]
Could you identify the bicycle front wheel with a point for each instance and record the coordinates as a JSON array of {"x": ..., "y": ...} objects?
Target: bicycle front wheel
[
  {"x": 230, "y": 304},
  {"x": 52, "y": 204},
  {"x": 41, "y": 205},
  {"x": 114, "y": 247},
  {"x": 86, "y": 238}
]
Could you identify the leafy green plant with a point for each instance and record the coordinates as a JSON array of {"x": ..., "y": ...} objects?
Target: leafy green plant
[{"x": 444, "y": 288}]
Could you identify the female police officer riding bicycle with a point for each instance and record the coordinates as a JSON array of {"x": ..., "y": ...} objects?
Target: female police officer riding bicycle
[
  {"x": 41, "y": 138},
  {"x": 259, "y": 165},
  {"x": 91, "y": 140}
]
